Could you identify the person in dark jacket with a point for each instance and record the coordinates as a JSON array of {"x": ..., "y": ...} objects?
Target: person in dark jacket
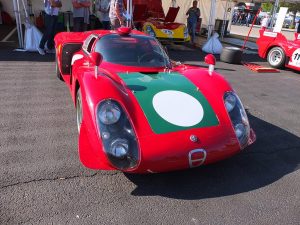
[{"x": 193, "y": 15}]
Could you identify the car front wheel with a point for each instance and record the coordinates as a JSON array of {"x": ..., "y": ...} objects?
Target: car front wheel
[
  {"x": 78, "y": 109},
  {"x": 276, "y": 57}
]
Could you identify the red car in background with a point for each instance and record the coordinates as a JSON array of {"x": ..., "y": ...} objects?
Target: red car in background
[
  {"x": 279, "y": 51},
  {"x": 137, "y": 111}
]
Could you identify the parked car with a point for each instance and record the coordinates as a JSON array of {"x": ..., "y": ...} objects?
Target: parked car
[
  {"x": 139, "y": 112},
  {"x": 150, "y": 19},
  {"x": 279, "y": 51}
]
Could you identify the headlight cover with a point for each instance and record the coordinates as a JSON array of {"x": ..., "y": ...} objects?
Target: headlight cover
[
  {"x": 186, "y": 32},
  {"x": 118, "y": 136},
  {"x": 150, "y": 31},
  {"x": 109, "y": 113},
  {"x": 238, "y": 118}
]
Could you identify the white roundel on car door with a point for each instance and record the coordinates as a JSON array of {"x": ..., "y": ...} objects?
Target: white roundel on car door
[{"x": 295, "y": 59}]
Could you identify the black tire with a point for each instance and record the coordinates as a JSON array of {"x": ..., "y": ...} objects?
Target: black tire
[
  {"x": 232, "y": 55},
  {"x": 58, "y": 74},
  {"x": 276, "y": 57},
  {"x": 78, "y": 109}
]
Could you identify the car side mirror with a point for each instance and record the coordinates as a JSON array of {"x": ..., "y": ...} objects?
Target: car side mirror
[
  {"x": 96, "y": 58},
  {"x": 211, "y": 61}
]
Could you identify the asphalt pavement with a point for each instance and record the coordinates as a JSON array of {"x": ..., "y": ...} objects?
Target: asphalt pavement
[{"x": 43, "y": 182}]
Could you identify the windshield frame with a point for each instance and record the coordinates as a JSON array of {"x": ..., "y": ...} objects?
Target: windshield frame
[{"x": 161, "y": 53}]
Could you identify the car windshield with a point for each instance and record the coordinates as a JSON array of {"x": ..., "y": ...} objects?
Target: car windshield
[{"x": 133, "y": 50}]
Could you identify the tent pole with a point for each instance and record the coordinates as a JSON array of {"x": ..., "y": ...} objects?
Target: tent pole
[
  {"x": 211, "y": 18},
  {"x": 274, "y": 11},
  {"x": 231, "y": 15},
  {"x": 20, "y": 24},
  {"x": 19, "y": 28},
  {"x": 131, "y": 13},
  {"x": 224, "y": 20},
  {"x": 128, "y": 6}
]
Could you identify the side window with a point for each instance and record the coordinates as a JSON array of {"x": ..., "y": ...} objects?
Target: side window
[{"x": 88, "y": 44}]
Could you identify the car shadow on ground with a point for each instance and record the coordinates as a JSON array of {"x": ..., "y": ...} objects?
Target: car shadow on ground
[
  {"x": 197, "y": 55},
  {"x": 275, "y": 154},
  {"x": 11, "y": 54}
]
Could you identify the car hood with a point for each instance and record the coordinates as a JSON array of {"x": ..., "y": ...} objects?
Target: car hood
[{"x": 170, "y": 101}]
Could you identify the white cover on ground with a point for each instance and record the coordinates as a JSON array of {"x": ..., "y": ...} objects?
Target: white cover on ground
[
  {"x": 213, "y": 45},
  {"x": 32, "y": 38}
]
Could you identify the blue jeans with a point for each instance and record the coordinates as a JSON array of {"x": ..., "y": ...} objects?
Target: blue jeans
[
  {"x": 48, "y": 36},
  {"x": 192, "y": 29}
]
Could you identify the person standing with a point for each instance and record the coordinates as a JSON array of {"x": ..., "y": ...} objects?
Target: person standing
[
  {"x": 298, "y": 26},
  {"x": 116, "y": 14},
  {"x": 193, "y": 15},
  {"x": 103, "y": 6},
  {"x": 51, "y": 14},
  {"x": 265, "y": 22},
  {"x": 248, "y": 19},
  {"x": 81, "y": 14}
]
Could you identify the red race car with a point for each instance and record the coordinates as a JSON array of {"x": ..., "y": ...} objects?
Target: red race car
[
  {"x": 279, "y": 51},
  {"x": 137, "y": 111}
]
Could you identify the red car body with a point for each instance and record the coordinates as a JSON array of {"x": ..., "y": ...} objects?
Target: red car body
[
  {"x": 157, "y": 152},
  {"x": 288, "y": 52}
]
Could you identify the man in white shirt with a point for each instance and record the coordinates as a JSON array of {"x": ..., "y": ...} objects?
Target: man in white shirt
[
  {"x": 116, "y": 14},
  {"x": 51, "y": 14},
  {"x": 81, "y": 14},
  {"x": 103, "y": 6},
  {"x": 265, "y": 22}
]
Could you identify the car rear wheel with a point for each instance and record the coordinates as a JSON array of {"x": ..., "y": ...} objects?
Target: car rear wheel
[
  {"x": 276, "y": 57},
  {"x": 58, "y": 74},
  {"x": 78, "y": 109}
]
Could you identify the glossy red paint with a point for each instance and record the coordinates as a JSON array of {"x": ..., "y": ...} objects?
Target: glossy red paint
[
  {"x": 96, "y": 58},
  {"x": 124, "y": 30},
  {"x": 269, "y": 39},
  {"x": 158, "y": 152}
]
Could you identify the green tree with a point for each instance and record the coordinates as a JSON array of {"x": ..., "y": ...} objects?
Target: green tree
[{"x": 266, "y": 7}]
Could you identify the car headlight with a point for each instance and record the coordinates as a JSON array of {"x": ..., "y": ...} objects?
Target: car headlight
[
  {"x": 186, "y": 32},
  {"x": 230, "y": 101},
  {"x": 238, "y": 117},
  {"x": 119, "y": 148},
  {"x": 109, "y": 113},
  {"x": 150, "y": 31},
  {"x": 117, "y": 134}
]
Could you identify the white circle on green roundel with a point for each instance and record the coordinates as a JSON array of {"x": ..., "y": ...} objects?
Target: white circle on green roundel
[{"x": 178, "y": 108}]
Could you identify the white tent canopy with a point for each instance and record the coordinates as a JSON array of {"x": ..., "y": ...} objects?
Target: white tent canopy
[
  {"x": 204, "y": 5},
  {"x": 210, "y": 10}
]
